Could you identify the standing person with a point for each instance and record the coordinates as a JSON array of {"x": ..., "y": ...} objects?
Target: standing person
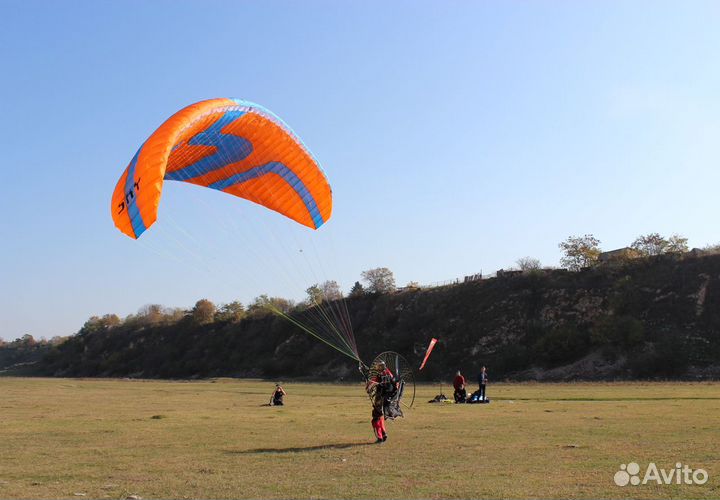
[
  {"x": 482, "y": 381},
  {"x": 277, "y": 396},
  {"x": 380, "y": 386},
  {"x": 460, "y": 393},
  {"x": 378, "y": 425},
  {"x": 385, "y": 375}
]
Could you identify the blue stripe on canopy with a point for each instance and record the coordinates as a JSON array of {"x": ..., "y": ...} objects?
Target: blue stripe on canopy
[
  {"x": 288, "y": 176},
  {"x": 130, "y": 190},
  {"x": 229, "y": 149}
]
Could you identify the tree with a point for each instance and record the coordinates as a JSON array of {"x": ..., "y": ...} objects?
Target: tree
[
  {"x": 283, "y": 305},
  {"x": 326, "y": 291},
  {"x": 234, "y": 311},
  {"x": 203, "y": 312},
  {"x": 712, "y": 248},
  {"x": 653, "y": 244},
  {"x": 27, "y": 341},
  {"x": 379, "y": 280},
  {"x": 264, "y": 305},
  {"x": 528, "y": 264},
  {"x": 151, "y": 314},
  {"x": 57, "y": 340},
  {"x": 100, "y": 324},
  {"x": 650, "y": 244},
  {"x": 677, "y": 244},
  {"x": 315, "y": 295},
  {"x": 357, "y": 290},
  {"x": 173, "y": 314},
  {"x": 110, "y": 320},
  {"x": 579, "y": 252},
  {"x": 259, "y": 307},
  {"x": 331, "y": 290}
]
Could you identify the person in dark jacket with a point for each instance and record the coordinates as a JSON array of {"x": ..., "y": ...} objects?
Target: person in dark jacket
[
  {"x": 277, "y": 396},
  {"x": 482, "y": 382}
]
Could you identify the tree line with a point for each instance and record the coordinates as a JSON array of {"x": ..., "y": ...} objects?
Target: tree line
[
  {"x": 578, "y": 252},
  {"x": 376, "y": 281},
  {"x": 581, "y": 252}
]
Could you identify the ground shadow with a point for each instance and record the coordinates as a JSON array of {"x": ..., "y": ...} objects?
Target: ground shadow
[{"x": 336, "y": 446}]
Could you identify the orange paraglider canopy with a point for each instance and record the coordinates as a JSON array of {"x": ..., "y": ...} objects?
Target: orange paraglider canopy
[{"x": 230, "y": 145}]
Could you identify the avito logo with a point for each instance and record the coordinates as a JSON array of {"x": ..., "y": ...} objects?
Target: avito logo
[{"x": 680, "y": 474}]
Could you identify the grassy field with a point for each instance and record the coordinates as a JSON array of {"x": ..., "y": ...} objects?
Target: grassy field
[{"x": 68, "y": 438}]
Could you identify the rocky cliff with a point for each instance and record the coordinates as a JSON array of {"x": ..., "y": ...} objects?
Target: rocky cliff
[{"x": 647, "y": 318}]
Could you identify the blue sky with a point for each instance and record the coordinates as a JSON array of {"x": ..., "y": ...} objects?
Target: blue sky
[{"x": 457, "y": 136}]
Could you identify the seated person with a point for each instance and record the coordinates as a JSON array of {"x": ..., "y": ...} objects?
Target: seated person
[{"x": 277, "y": 397}]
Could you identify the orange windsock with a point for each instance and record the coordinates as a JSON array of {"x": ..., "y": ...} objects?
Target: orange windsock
[{"x": 427, "y": 354}]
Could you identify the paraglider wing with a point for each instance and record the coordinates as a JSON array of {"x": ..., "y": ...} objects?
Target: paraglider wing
[{"x": 229, "y": 145}]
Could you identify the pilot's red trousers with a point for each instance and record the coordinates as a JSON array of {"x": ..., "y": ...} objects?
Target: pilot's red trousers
[{"x": 378, "y": 425}]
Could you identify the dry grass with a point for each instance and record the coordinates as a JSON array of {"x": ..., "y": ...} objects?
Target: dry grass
[{"x": 214, "y": 439}]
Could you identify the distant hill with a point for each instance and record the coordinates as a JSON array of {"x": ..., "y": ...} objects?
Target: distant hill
[{"x": 656, "y": 317}]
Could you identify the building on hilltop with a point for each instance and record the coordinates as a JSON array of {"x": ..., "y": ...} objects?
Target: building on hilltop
[{"x": 619, "y": 255}]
